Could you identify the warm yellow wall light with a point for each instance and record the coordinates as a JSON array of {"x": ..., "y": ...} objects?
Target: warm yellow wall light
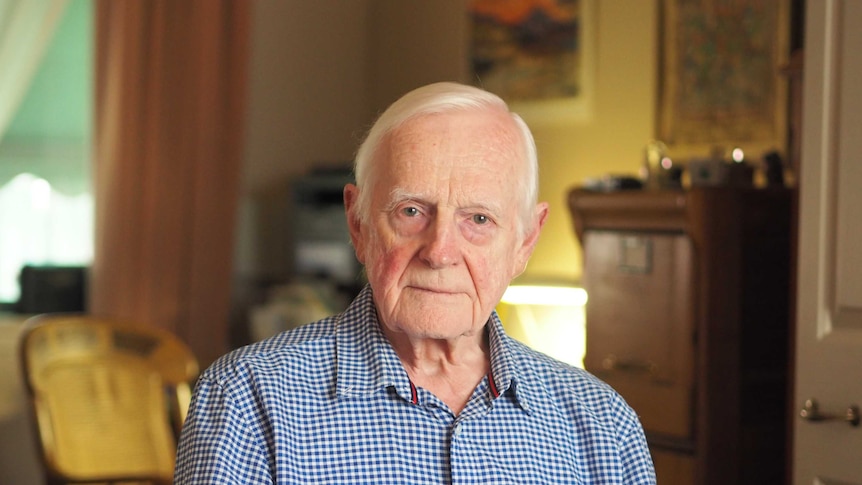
[
  {"x": 550, "y": 319},
  {"x": 545, "y": 295}
]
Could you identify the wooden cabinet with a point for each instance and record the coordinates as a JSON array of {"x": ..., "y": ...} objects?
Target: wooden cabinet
[{"x": 688, "y": 318}]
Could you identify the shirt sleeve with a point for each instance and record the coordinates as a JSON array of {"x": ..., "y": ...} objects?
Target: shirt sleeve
[
  {"x": 216, "y": 445},
  {"x": 638, "y": 468}
]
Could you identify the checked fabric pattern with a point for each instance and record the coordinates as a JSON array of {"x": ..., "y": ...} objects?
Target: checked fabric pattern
[{"x": 330, "y": 403}]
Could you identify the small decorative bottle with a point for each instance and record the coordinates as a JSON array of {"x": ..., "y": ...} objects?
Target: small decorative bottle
[{"x": 651, "y": 172}]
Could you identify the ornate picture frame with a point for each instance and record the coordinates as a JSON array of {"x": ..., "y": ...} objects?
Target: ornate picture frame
[{"x": 721, "y": 81}]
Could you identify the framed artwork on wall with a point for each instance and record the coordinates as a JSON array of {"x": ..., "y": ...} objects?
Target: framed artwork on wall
[
  {"x": 535, "y": 54},
  {"x": 721, "y": 79}
]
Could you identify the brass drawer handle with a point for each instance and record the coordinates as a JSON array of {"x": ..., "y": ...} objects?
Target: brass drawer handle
[
  {"x": 811, "y": 412},
  {"x": 613, "y": 363}
]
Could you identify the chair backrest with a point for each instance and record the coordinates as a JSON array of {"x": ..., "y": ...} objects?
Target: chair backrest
[{"x": 108, "y": 397}]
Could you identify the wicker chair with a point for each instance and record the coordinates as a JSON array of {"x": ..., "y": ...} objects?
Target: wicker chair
[{"x": 108, "y": 398}]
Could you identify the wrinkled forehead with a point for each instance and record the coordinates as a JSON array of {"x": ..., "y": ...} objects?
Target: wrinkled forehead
[
  {"x": 489, "y": 138},
  {"x": 472, "y": 144}
]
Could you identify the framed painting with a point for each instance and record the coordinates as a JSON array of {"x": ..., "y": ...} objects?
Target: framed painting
[
  {"x": 721, "y": 82},
  {"x": 535, "y": 54}
]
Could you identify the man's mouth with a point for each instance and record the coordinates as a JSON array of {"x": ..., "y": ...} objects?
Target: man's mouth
[{"x": 437, "y": 291}]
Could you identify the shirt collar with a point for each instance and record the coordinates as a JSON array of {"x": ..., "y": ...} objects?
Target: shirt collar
[
  {"x": 367, "y": 362},
  {"x": 508, "y": 367}
]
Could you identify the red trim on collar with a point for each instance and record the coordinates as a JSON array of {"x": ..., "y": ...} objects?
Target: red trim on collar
[
  {"x": 493, "y": 385},
  {"x": 414, "y": 396}
]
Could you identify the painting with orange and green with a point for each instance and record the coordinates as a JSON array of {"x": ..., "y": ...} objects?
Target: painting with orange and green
[{"x": 527, "y": 50}]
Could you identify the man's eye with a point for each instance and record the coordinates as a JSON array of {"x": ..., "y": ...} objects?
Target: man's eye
[
  {"x": 481, "y": 219},
  {"x": 410, "y": 211}
]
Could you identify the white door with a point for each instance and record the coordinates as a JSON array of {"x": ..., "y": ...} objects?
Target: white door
[{"x": 829, "y": 298}]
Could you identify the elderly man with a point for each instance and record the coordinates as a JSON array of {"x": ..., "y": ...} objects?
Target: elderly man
[{"x": 416, "y": 382}]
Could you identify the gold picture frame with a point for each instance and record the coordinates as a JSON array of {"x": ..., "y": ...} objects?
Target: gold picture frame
[{"x": 721, "y": 82}]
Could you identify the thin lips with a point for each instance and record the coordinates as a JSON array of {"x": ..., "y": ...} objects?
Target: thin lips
[{"x": 434, "y": 290}]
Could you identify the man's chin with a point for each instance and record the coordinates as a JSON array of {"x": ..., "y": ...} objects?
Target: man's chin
[{"x": 436, "y": 325}]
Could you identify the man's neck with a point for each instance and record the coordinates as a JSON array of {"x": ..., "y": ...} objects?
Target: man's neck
[{"x": 450, "y": 369}]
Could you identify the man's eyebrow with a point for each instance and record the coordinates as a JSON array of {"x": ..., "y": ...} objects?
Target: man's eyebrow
[
  {"x": 489, "y": 209},
  {"x": 399, "y": 195}
]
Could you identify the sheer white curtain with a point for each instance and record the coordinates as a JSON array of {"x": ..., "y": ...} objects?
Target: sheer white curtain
[{"x": 26, "y": 28}]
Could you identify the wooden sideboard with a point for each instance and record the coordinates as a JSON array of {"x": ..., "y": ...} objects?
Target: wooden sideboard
[{"x": 689, "y": 319}]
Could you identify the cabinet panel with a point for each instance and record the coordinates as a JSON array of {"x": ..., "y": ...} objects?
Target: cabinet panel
[
  {"x": 673, "y": 468},
  {"x": 688, "y": 319},
  {"x": 639, "y": 323}
]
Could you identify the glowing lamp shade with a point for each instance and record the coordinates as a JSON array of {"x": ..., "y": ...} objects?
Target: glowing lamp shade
[{"x": 550, "y": 319}]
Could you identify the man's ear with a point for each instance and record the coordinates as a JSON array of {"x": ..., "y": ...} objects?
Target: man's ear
[
  {"x": 354, "y": 224},
  {"x": 530, "y": 239}
]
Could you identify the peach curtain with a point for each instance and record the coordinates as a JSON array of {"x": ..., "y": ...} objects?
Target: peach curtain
[{"x": 170, "y": 94}]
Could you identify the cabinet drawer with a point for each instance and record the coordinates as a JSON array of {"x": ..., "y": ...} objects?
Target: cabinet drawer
[{"x": 640, "y": 323}]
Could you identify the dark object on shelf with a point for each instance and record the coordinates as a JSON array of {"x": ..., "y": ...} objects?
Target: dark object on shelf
[
  {"x": 671, "y": 178},
  {"x": 614, "y": 182},
  {"x": 50, "y": 289},
  {"x": 773, "y": 165}
]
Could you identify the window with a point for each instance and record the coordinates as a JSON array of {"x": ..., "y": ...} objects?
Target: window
[
  {"x": 41, "y": 226},
  {"x": 46, "y": 206}
]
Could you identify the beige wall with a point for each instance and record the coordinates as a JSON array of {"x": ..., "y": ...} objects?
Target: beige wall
[
  {"x": 322, "y": 69},
  {"x": 308, "y": 102},
  {"x": 307, "y": 86},
  {"x": 414, "y": 43},
  {"x": 612, "y": 140}
]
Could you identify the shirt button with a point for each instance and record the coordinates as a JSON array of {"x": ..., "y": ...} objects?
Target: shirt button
[{"x": 457, "y": 429}]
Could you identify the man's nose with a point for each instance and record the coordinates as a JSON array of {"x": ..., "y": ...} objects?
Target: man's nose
[{"x": 441, "y": 244}]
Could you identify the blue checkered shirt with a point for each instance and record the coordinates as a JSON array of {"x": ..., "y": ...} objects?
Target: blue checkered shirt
[{"x": 330, "y": 402}]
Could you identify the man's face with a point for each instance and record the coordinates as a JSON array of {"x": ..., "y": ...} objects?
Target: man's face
[{"x": 442, "y": 240}]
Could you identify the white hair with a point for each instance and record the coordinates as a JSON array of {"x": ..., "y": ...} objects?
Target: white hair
[{"x": 444, "y": 97}]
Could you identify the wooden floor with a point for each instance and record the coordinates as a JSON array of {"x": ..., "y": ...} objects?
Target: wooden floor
[{"x": 18, "y": 459}]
